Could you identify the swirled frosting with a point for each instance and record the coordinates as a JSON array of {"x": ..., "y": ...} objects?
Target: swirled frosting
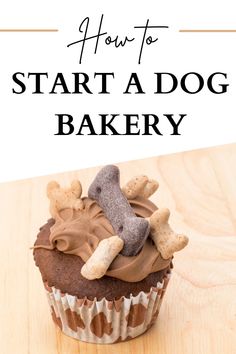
[{"x": 79, "y": 232}]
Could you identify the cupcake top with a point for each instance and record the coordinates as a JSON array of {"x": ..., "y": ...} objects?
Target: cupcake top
[{"x": 116, "y": 232}]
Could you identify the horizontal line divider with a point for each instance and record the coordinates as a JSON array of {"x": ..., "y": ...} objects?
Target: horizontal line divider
[
  {"x": 28, "y": 30},
  {"x": 208, "y": 30}
]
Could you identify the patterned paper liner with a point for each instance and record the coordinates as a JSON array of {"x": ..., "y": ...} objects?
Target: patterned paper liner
[{"x": 105, "y": 321}]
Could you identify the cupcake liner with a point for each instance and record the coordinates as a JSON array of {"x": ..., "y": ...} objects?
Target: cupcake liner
[{"x": 103, "y": 321}]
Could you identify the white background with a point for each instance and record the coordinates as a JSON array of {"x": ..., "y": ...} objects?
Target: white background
[{"x": 27, "y": 142}]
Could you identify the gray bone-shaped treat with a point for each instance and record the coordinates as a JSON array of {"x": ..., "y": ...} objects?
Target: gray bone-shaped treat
[{"x": 105, "y": 189}]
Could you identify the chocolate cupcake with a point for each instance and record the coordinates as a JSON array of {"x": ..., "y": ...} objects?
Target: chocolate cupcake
[{"x": 105, "y": 259}]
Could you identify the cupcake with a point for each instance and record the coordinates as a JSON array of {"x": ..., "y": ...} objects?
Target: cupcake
[{"x": 106, "y": 258}]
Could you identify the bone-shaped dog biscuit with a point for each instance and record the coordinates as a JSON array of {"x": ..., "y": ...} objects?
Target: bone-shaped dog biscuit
[
  {"x": 165, "y": 239},
  {"x": 140, "y": 186},
  {"x": 150, "y": 188},
  {"x": 105, "y": 189},
  {"x": 106, "y": 251},
  {"x": 62, "y": 198}
]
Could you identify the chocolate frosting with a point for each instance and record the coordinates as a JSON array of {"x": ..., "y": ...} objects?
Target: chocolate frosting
[{"x": 79, "y": 232}]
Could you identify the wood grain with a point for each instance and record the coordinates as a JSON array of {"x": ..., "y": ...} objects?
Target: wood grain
[{"x": 198, "y": 314}]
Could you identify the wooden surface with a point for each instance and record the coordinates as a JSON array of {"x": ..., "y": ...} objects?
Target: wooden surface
[{"x": 198, "y": 314}]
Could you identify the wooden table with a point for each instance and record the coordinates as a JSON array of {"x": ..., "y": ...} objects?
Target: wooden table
[{"x": 198, "y": 314}]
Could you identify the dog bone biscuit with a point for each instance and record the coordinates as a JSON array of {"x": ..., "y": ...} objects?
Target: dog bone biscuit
[
  {"x": 62, "y": 198},
  {"x": 165, "y": 239},
  {"x": 140, "y": 186},
  {"x": 106, "y": 251},
  {"x": 105, "y": 189},
  {"x": 133, "y": 188},
  {"x": 150, "y": 188}
]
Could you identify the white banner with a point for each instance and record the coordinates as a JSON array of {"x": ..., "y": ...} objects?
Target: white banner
[{"x": 88, "y": 83}]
